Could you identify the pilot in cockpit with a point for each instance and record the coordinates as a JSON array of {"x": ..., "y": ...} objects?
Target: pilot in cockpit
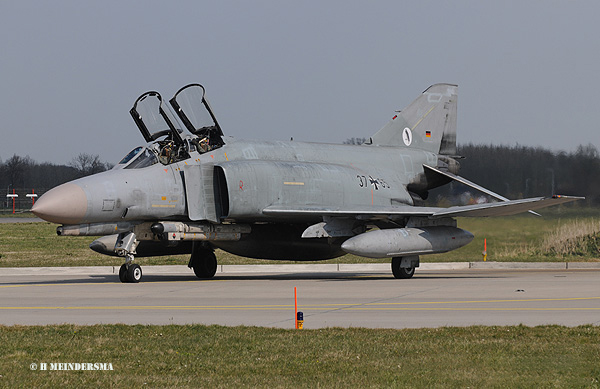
[
  {"x": 166, "y": 153},
  {"x": 202, "y": 145}
]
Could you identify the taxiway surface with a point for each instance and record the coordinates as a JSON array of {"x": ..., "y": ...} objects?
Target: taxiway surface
[{"x": 337, "y": 299}]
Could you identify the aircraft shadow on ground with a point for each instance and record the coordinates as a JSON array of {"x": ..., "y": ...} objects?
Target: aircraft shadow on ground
[{"x": 329, "y": 277}]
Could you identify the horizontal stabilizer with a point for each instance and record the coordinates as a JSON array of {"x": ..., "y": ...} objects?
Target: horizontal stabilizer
[
  {"x": 463, "y": 180},
  {"x": 473, "y": 185}
]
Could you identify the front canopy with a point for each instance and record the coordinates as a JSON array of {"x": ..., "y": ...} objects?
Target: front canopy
[{"x": 195, "y": 113}]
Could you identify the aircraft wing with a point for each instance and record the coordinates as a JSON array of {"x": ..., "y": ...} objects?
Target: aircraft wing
[{"x": 503, "y": 208}]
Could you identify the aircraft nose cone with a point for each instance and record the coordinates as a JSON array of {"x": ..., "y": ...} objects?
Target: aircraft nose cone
[{"x": 65, "y": 204}]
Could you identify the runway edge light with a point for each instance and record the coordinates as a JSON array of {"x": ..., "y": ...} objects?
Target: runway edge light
[{"x": 299, "y": 320}]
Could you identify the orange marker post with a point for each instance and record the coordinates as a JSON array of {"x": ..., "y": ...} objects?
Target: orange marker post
[
  {"x": 13, "y": 196},
  {"x": 298, "y": 316},
  {"x": 484, "y": 250},
  {"x": 33, "y": 196}
]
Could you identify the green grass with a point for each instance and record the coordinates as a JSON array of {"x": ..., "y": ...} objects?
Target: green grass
[
  {"x": 215, "y": 356},
  {"x": 516, "y": 238}
]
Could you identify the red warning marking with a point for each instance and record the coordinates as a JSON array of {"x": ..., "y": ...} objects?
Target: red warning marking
[{"x": 241, "y": 185}]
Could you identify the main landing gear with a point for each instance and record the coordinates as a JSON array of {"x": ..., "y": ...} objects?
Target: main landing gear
[
  {"x": 203, "y": 261},
  {"x": 404, "y": 267}
]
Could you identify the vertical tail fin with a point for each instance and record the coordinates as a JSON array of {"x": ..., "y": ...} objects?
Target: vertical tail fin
[{"x": 428, "y": 123}]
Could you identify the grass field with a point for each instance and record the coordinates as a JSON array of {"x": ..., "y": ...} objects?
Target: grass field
[
  {"x": 214, "y": 356},
  {"x": 517, "y": 238}
]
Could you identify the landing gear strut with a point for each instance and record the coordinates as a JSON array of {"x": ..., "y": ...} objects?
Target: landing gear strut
[
  {"x": 404, "y": 267},
  {"x": 203, "y": 261},
  {"x": 125, "y": 246}
]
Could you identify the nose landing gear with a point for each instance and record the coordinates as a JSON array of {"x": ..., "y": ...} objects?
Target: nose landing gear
[
  {"x": 130, "y": 272},
  {"x": 125, "y": 247}
]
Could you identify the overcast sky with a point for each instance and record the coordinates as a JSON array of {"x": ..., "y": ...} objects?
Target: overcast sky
[{"x": 320, "y": 71}]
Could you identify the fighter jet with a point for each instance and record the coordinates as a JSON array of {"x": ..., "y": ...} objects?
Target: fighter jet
[{"x": 192, "y": 190}]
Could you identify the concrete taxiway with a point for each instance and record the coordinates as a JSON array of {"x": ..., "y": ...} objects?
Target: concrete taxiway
[
  {"x": 370, "y": 297},
  {"x": 8, "y": 220}
]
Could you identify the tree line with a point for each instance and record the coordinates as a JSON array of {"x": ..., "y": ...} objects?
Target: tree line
[
  {"x": 24, "y": 175},
  {"x": 521, "y": 171}
]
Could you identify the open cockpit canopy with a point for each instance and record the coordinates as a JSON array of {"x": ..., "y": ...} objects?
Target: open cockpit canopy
[
  {"x": 196, "y": 114},
  {"x": 159, "y": 126},
  {"x": 153, "y": 120}
]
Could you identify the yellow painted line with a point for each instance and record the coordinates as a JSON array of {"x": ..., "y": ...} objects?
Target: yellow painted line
[
  {"x": 226, "y": 156},
  {"x": 490, "y": 301},
  {"x": 288, "y": 307},
  {"x": 472, "y": 309},
  {"x": 293, "y": 183},
  {"x": 319, "y": 307},
  {"x": 424, "y": 116},
  {"x": 150, "y": 307},
  {"x": 116, "y": 283},
  {"x": 163, "y": 205}
]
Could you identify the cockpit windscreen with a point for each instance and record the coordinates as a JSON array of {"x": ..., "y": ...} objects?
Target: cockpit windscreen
[
  {"x": 145, "y": 159},
  {"x": 138, "y": 158},
  {"x": 130, "y": 155}
]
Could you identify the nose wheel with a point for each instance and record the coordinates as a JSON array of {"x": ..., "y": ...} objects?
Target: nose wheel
[{"x": 130, "y": 272}]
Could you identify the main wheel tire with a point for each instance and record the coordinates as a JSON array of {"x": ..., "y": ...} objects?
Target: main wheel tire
[
  {"x": 123, "y": 273},
  {"x": 204, "y": 263},
  {"x": 401, "y": 272},
  {"x": 134, "y": 273}
]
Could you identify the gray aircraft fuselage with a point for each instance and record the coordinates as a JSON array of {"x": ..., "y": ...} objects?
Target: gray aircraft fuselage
[{"x": 259, "y": 175}]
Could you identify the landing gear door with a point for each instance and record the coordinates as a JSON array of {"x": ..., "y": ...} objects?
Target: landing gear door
[
  {"x": 199, "y": 191},
  {"x": 196, "y": 114},
  {"x": 153, "y": 120}
]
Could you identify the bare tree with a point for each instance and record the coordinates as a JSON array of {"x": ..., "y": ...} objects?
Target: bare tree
[
  {"x": 15, "y": 169},
  {"x": 87, "y": 164}
]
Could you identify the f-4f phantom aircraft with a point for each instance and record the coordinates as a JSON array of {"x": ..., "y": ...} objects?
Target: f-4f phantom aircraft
[{"x": 196, "y": 191}]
